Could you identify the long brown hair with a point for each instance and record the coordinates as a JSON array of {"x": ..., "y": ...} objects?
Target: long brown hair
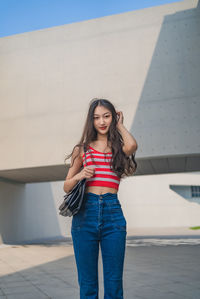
[{"x": 120, "y": 163}]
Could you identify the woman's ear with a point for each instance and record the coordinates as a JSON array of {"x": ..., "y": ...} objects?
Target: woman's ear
[{"x": 117, "y": 113}]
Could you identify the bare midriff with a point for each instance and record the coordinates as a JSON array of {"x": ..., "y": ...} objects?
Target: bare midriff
[{"x": 100, "y": 190}]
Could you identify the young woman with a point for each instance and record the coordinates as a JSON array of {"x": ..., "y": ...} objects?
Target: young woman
[{"x": 110, "y": 157}]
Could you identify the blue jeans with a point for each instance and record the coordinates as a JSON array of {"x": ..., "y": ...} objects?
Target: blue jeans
[{"x": 100, "y": 220}]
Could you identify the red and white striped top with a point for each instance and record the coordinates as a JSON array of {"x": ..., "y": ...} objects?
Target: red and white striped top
[{"x": 104, "y": 175}]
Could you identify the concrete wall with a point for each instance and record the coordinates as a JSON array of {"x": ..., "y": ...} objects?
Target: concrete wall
[
  {"x": 145, "y": 61},
  {"x": 29, "y": 213},
  {"x": 149, "y": 201}
]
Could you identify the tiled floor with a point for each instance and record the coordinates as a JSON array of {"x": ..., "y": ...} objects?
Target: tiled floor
[{"x": 164, "y": 268}]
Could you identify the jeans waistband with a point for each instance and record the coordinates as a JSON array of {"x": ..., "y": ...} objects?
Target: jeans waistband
[{"x": 105, "y": 196}]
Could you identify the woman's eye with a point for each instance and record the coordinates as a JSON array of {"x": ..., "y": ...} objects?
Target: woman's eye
[{"x": 98, "y": 117}]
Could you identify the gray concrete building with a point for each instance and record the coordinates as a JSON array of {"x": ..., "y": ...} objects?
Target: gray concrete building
[{"x": 147, "y": 62}]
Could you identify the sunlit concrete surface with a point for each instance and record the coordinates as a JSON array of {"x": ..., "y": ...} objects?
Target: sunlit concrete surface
[
  {"x": 145, "y": 61},
  {"x": 152, "y": 270},
  {"x": 152, "y": 205},
  {"x": 163, "y": 231}
]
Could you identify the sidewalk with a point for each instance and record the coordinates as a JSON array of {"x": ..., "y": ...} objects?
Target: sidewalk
[{"x": 152, "y": 270}]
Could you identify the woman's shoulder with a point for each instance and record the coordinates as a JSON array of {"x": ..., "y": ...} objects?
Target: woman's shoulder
[
  {"x": 78, "y": 151},
  {"x": 81, "y": 151}
]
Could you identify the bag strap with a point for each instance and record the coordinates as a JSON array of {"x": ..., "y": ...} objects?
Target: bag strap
[{"x": 84, "y": 147}]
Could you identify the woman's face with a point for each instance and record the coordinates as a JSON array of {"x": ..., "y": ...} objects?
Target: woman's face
[{"x": 102, "y": 119}]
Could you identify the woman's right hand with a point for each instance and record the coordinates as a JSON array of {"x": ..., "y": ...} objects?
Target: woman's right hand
[{"x": 87, "y": 172}]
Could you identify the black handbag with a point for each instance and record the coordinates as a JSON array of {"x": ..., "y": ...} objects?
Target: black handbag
[{"x": 73, "y": 199}]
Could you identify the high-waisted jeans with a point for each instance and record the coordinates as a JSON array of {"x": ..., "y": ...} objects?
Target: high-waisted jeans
[{"x": 100, "y": 220}]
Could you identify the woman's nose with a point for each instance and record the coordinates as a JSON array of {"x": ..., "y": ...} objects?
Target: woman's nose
[{"x": 102, "y": 121}]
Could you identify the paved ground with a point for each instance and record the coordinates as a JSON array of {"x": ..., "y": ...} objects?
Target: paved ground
[{"x": 155, "y": 268}]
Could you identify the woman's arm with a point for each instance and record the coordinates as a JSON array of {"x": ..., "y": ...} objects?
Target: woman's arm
[
  {"x": 130, "y": 144},
  {"x": 74, "y": 174}
]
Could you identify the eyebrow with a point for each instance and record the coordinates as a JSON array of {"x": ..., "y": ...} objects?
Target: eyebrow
[{"x": 103, "y": 114}]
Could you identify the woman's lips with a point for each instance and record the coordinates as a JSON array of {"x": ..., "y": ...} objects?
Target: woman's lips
[{"x": 102, "y": 128}]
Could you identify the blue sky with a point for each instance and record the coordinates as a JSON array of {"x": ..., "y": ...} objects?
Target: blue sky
[{"x": 18, "y": 16}]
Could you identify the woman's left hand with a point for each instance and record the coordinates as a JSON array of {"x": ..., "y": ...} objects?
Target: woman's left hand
[{"x": 120, "y": 118}]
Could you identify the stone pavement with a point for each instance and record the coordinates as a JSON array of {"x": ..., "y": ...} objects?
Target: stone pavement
[{"x": 167, "y": 267}]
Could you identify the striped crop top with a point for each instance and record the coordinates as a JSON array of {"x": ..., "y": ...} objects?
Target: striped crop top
[{"x": 104, "y": 175}]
